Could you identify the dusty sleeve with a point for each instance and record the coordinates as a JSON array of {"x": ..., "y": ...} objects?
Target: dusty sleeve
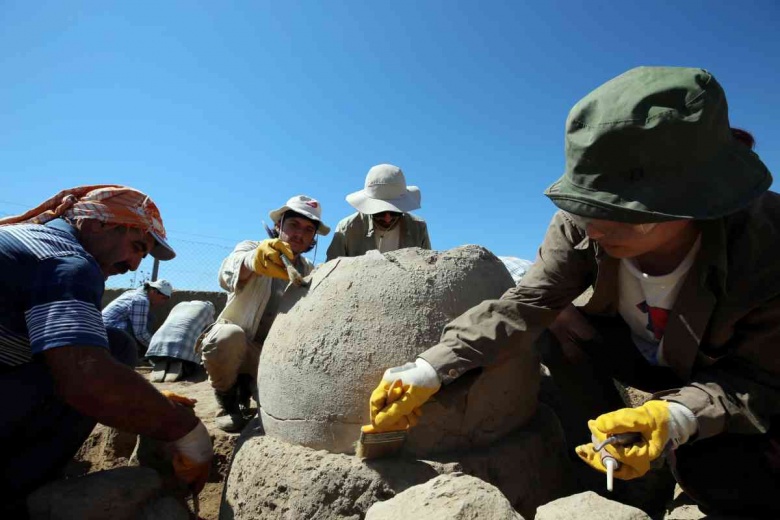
[
  {"x": 230, "y": 269},
  {"x": 564, "y": 269},
  {"x": 739, "y": 393}
]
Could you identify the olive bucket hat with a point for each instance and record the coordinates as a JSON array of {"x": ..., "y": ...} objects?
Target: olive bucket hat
[{"x": 654, "y": 144}]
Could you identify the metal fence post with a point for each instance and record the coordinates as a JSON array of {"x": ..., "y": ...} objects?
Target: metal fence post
[{"x": 155, "y": 269}]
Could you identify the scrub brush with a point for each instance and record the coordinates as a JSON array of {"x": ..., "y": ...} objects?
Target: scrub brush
[{"x": 373, "y": 444}]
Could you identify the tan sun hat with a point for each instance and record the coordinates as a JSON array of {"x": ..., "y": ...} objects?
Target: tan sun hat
[
  {"x": 306, "y": 206},
  {"x": 385, "y": 190}
]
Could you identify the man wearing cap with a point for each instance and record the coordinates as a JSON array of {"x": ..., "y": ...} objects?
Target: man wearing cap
[
  {"x": 59, "y": 371},
  {"x": 383, "y": 220},
  {"x": 129, "y": 312},
  {"x": 664, "y": 211},
  {"x": 255, "y": 278}
]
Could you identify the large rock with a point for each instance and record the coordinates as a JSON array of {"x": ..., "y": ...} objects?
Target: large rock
[
  {"x": 332, "y": 341},
  {"x": 272, "y": 479},
  {"x": 107, "y": 448},
  {"x": 447, "y": 497},
  {"x": 117, "y": 494},
  {"x": 529, "y": 466},
  {"x": 275, "y": 480},
  {"x": 588, "y": 506}
]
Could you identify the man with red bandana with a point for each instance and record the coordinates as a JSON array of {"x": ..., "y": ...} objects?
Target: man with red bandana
[{"x": 60, "y": 371}]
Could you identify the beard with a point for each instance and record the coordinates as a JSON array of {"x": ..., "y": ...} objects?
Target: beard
[{"x": 387, "y": 226}]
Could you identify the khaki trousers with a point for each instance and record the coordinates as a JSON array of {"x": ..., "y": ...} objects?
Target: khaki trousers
[{"x": 226, "y": 352}]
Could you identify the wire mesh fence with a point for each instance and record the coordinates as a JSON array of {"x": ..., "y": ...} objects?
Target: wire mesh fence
[{"x": 195, "y": 267}]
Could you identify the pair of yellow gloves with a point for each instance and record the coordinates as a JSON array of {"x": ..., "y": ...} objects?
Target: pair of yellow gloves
[{"x": 396, "y": 401}]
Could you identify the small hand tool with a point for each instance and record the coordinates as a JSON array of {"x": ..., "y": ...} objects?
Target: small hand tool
[
  {"x": 292, "y": 272},
  {"x": 609, "y": 461}
]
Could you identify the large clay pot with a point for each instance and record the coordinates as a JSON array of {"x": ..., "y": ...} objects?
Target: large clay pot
[{"x": 332, "y": 341}]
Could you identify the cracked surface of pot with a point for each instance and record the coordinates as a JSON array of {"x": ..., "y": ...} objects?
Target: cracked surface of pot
[{"x": 332, "y": 341}]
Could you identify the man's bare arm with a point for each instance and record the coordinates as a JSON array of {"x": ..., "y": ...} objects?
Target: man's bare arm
[{"x": 92, "y": 382}]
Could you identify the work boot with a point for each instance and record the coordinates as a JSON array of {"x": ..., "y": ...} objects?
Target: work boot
[
  {"x": 247, "y": 389},
  {"x": 229, "y": 416}
]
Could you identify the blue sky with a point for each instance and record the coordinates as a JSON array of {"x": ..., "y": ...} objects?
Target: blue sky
[{"x": 221, "y": 111}]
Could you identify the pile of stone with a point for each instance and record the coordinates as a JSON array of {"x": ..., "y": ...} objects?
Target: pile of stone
[{"x": 127, "y": 493}]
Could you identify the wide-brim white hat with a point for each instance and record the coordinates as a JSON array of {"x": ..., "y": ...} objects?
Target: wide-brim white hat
[
  {"x": 385, "y": 190},
  {"x": 306, "y": 206}
]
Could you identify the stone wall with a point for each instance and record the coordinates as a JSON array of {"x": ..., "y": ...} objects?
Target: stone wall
[{"x": 160, "y": 313}]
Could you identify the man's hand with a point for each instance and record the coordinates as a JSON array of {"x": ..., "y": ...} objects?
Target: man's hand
[
  {"x": 394, "y": 393},
  {"x": 663, "y": 426},
  {"x": 267, "y": 261},
  {"x": 192, "y": 456},
  {"x": 400, "y": 394},
  {"x": 569, "y": 328}
]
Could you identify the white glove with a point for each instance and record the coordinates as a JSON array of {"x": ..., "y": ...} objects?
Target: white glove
[
  {"x": 196, "y": 445},
  {"x": 192, "y": 456}
]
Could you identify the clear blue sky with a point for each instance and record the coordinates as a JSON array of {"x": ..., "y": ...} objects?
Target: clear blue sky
[{"x": 221, "y": 111}]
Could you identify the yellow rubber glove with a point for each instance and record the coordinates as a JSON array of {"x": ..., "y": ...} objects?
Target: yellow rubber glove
[
  {"x": 179, "y": 399},
  {"x": 266, "y": 260},
  {"x": 192, "y": 456},
  {"x": 394, "y": 393},
  {"x": 663, "y": 425},
  {"x": 418, "y": 382}
]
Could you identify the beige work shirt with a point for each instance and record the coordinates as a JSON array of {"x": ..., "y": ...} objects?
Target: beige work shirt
[
  {"x": 354, "y": 235},
  {"x": 247, "y": 300}
]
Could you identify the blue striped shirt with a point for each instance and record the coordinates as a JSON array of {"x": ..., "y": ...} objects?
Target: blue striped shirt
[{"x": 51, "y": 292}]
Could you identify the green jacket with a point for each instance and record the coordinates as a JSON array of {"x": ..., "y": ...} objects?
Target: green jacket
[
  {"x": 354, "y": 235},
  {"x": 723, "y": 334}
]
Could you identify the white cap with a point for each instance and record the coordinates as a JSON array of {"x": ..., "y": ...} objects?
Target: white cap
[
  {"x": 385, "y": 190},
  {"x": 306, "y": 206},
  {"x": 163, "y": 286}
]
